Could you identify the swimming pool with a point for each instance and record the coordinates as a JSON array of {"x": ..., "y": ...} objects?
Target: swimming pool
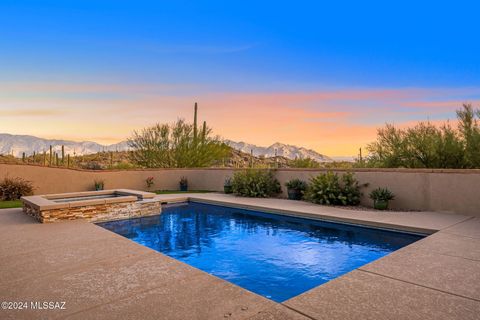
[{"x": 275, "y": 256}]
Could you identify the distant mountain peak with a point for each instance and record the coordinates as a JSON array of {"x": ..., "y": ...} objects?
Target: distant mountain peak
[
  {"x": 279, "y": 149},
  {"x": 17, "y": 144}
]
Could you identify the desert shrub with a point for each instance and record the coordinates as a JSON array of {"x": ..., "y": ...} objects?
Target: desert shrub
[
  {"x": 324, "y": 189},
  {"x": 123, "y": 166},
  {"x": 351, "y": 189},
  {"x": 255, "y": 183},
  {"x": 328, "y": 188},
  {"x": 92, "y": 165},
  {"x": 426, "y": 145},
  {"x": 304, "y": 163},
  {"x": 15, "y": 188}
]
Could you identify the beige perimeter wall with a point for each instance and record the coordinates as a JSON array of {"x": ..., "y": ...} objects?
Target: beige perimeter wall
[{"x": 455, "y": 191}]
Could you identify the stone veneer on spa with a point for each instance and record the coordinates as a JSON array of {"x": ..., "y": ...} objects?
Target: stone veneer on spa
[{"x": 92, "y": 206}]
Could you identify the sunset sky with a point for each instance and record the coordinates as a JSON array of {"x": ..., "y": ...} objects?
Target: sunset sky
[{"x": 319, "y": 75}]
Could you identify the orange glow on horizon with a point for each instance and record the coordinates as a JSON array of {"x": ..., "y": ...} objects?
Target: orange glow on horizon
[{"x": 332, "y": 122}]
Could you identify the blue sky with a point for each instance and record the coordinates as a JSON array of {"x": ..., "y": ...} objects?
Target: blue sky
[
  {"x": 197, "y": 48},
  {"x": 334, "y": 43}
]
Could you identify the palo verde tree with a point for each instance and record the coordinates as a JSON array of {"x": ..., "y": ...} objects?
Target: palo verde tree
[
  {"x": 428, "y": 146},
  {"x": 469, "y": 128},
  {"x": 177, "y": 145}
]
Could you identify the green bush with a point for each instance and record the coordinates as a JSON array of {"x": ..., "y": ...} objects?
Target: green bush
[
  {"x": 255, "y": 183},
  {"x": 351, "y": 189},
  {"x": 427, "y": 145},
  {"x": 123, "y": 166},
  {"x": 304, "y": 163},
  {"x": 324, "y": 189},
  {"x": 15, "y": 188},
  {"x": 328, "y": 188}
]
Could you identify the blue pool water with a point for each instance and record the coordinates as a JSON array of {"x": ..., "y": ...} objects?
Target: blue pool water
[{"x": 275, "y": 256}]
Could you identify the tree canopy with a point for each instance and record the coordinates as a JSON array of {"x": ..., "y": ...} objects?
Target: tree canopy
[
  {"x": 428, "y": 146},
  {"x": 176, "y": 145}
]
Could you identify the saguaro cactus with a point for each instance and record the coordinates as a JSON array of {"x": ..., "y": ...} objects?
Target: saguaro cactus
[
  {"x": 204, "y": 131},
  {"x": 195, "y": 129},
  {"x": 63, "y": 155},
  {"x": 51, "y": 156}
]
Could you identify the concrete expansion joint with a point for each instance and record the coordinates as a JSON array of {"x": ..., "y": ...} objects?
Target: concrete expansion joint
[
  {"x": 418, "y": 285},
  {"x": 460, "y": 222},
  {"x": 447, "y": 255},
  {"x": 298, "y": 311}
]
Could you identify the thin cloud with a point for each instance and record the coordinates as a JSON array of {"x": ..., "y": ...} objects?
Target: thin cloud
[
  {"x": 31, "y": 112},
  {"x": 205, "y": 49},
  {"x": 181, "y": 48}
]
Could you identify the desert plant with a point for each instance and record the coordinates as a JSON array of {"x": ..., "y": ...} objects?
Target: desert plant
[
  {"x": 304, "y": 163},
  {"x": 123, "y": 166},
  {"x": 351, "y": 189},
  {"x": 327, "y": 188},
  {"x": 227, "y": 186},
  {"x": 426, "y": 145},
  {"x": 296, "y": 188},
  {"x": 177, "y": 145},
  {"x": 92, "y": 165},
  {"x": 15, "y": 188},
  {"x": 469, "y": 128},
  {"x": 381, "y": 197},
  {"x": 149, "y": 181},
  {"x": 183, "y": 184},
  {"x": 99, "y": 185},
  {"x": 255, "y": 183},
  {"x": 381, "y": 194}
]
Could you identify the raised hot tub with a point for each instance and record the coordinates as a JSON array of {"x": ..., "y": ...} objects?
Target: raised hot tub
[{"x": 91, "y": 205}]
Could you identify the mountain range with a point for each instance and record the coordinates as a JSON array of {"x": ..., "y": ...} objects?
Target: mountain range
[
  {"x": 279, "y": 149},
  {"x": 17, "y": 144}
]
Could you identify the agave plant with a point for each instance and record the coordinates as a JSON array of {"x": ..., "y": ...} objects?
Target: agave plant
[{"x": 381, "y": 197}]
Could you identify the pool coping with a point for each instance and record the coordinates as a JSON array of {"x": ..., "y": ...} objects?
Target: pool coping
[
  {"x": 388, "y": 220},
  {"x": 450, "y": 255}
]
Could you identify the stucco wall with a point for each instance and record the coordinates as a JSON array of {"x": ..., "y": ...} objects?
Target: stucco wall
[{"x": 433, "y": 190}]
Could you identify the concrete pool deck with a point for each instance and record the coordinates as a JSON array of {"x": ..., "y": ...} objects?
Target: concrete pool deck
[{"x": 101, "y": 275}]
